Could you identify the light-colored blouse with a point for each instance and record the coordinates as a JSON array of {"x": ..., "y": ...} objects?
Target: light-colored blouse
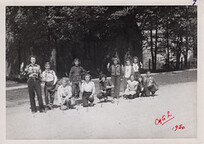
[
  {"x": 88, "y": 87},
  {"x": 132, "y": 85},
  {"x": 63, "y": 93},
  {"x": 49, "y": 75},
  {"x": 128, "y": 71}
]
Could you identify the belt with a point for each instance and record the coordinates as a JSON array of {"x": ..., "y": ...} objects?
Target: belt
[{"x": 87, "y": 92}]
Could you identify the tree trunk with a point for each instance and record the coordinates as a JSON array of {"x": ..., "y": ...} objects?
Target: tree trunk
[
  {"x": 194, "y": 46},
  {"x": 19, "y": 55},
  {"x": 151, "y": 43},
  {"x": 187, "y": 48},
  {"x": 186, "y": 53},
  {"x": 152, "y": 51},
  {"x": 155, "y": 51},
  {"x": 178, "y": 53},
  {"x": 53, "y": 58},
  {"x": 167, "y": 44}
]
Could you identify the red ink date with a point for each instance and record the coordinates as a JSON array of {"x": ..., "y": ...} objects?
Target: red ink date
[
  {"x": 178, "y": 127},
  {"x": 164, "y": 119}
]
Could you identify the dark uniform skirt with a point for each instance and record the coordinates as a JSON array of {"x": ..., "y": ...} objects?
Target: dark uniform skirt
[{"x": 86, "y": 98}]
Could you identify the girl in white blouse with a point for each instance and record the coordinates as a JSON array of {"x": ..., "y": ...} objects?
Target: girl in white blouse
[
  {"x": 88, "y": 91},
  {"x": 127, "y": 71},
  {"x": 49, "y": 78},
  {"x": 136, "y": 67},
  {"x": 131, "y": 89}
]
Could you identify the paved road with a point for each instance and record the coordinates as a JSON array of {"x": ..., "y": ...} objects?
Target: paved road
[{"x": 123, "y": 119}]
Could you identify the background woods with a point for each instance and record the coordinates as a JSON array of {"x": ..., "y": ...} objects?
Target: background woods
[{"x": 95, "y": 34}]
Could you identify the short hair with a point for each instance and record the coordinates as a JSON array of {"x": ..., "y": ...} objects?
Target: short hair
[
  {"x": 47, "y": 63},
  {"x": 66, "y": 79},
  {"x": 128, "y": 59},
  {"x": 76, "y": 59},
  {"x": 116, "y": 58},
  {"x": 135, "y": 57},
  {"x": 32, "y": 56},
  {"x": 132, "y": 75},
  {"x": 101, "y": 76},
  {"x": 87, "y": 74}
]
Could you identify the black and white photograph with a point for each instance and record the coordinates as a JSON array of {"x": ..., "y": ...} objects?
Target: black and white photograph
[{"x": 80, "y": 72}]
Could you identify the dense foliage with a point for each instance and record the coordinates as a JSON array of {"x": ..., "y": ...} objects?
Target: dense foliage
[{"x": 166, "y": 30}]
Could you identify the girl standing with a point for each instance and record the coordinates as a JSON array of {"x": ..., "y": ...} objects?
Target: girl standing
[
  {"x": 75, "y": 77},
  {"x": 116, "y": 72},
  {"x": 127, "y": 71},
  {"x": 50, "y": 79},
  {"x": 136, "y": 67},
  {"x": 34, "y": 84}
]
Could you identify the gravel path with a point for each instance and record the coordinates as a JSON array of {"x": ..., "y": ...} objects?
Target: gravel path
[{"x": 125, "y": 119}]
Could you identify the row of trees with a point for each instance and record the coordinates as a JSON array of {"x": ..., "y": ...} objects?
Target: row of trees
[
  {"x": 166, "y": 29},
  {"x": 171, "y": 31}
]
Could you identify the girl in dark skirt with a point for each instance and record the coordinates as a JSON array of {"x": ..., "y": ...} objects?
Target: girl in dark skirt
[
  {"x": 88, "y": 91},
  {"x": 140, "y": 88}
]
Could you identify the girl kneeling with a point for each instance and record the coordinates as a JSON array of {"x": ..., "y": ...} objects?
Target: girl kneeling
[
  {"x": 150, "y": 85},
  {"x": 131, "y": 90},
  {"x": 88, "y": 91},
  {"x": 64, "y": 93}
]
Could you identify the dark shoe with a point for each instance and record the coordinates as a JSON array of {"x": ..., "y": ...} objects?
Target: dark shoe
[
  {"x": 91, "y": 104},
  {"x": 125, "y": 96},
  {"x": 50, "y": 106},
  {"x": 153, "y": 93},
  {"x": 132, "y": 96},
  {"x": 72, "y": 107},
  {"x": 115, "y": 97},
  {"x": 33, "y": 112},
  {"x": 42, "y": 111}
]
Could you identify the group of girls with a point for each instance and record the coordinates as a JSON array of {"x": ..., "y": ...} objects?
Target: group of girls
[
  {"x": 70, "y": 90},
  {"x": 134, "y": 84}
]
